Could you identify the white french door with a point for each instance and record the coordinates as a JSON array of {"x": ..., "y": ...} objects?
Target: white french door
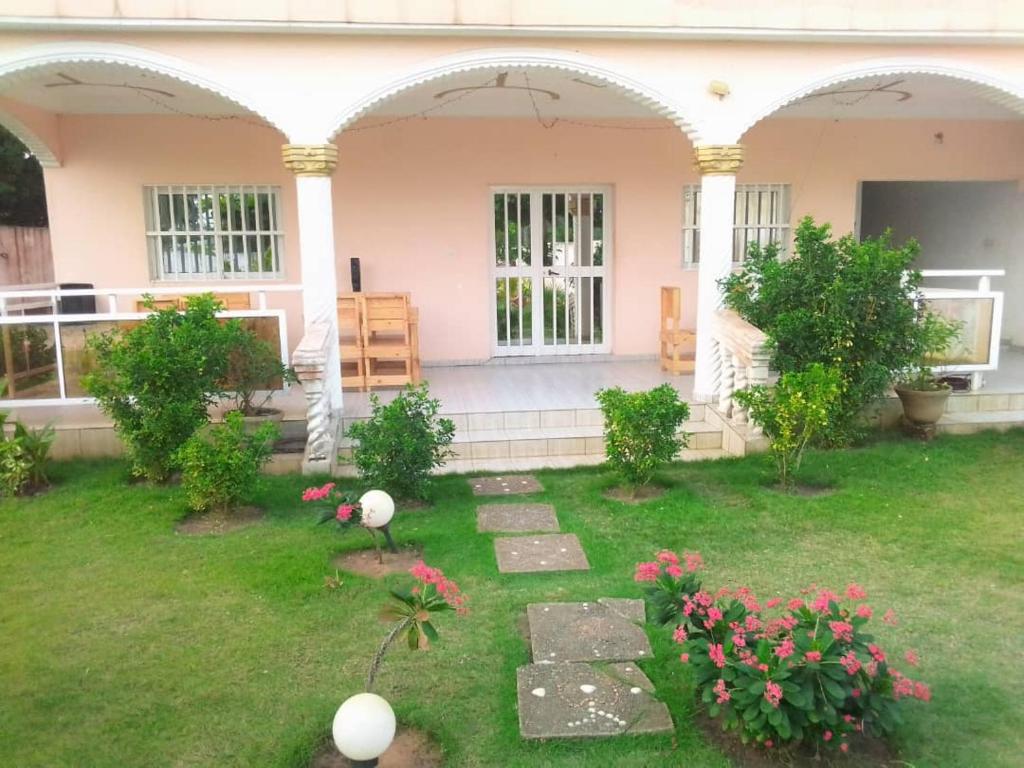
[{"x": 552, "y": 258}]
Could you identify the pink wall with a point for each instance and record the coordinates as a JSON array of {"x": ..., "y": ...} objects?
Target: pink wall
[{"x": 411, "y": 200}]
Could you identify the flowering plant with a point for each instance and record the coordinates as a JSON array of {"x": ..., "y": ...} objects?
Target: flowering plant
[
  {"x": 781, "y": 674},
  {"x": 345, "y": 511},
  {"x": 413, "y": 611}
]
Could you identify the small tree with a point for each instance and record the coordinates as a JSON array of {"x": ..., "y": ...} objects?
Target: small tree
[
  {"x": 641, "y": 430},
  {"x": 401, "y": 443},
  {"x": 253, "y": 366},
  {"x": 793, "y": 413},
  {"x": 157, "y": 379},
  {"x": 220, "y": 467}
]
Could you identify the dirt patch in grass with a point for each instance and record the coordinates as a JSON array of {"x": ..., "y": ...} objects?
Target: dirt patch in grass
[
  {"x": 628, "y": 495},
  {"x": 412, "y": 505},
  {"x": 364, "y": 561},
  {"x": 220, "y": 522},
  {"x": 864, "y": 752},
  {"x": 410, "y": 749},
  {"x": 805, "y": 490}
]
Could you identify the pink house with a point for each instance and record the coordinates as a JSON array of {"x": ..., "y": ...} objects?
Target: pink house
[{"x": 530, "y": 173}]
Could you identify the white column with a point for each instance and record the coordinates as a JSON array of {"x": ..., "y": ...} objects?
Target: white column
[
  {"x": 718, "y": 165},
  {"x": 313, "y": 165}
]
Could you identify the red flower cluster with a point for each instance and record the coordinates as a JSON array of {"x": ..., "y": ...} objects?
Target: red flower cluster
[
  {"x": 446, "y": 588},
  {"x": 318, "y": 494}
]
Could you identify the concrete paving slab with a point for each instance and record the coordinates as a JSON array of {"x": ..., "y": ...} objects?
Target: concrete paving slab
[
  {"x": 543, "y": 552},
  {"x": 504, "y": 485},
  {"x": 515, "y": 518},
  {"x": 587, "y": 632}
]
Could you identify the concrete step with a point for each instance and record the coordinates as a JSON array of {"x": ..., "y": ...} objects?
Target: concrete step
[{"x": 968, "y": 422}]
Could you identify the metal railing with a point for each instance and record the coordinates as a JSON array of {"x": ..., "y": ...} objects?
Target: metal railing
[{"x": 38, "y": 337}]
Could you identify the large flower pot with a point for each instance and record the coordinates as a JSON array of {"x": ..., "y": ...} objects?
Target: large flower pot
[
  {"x": 254, "y": 421},
  {"x": 923, "y": 407}
]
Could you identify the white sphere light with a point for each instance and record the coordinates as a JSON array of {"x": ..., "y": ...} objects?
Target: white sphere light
[
  {"x": 378, "y": 509},
  {"x": 364, "y": 727}
]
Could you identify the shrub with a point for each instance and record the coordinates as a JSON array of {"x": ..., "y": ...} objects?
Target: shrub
[
  {"x": 401, "y": 443},
  {"x": 937, "y": 336},
  {"x": 24, "y": 457},
  {"x": 780, "y": 674},
  {"x": 253, "y": 365},
  {"x": 157, "y": 379},
  {"x": 793, "y": 413},
  {"x": 641, "y": 430},
  {"x": 841, "y": 303},
  {"x": 220, "y": 466}
]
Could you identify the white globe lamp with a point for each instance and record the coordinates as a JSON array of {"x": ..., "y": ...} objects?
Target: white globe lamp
[
  {"x": 363, "y": 729},
  {"x": 378, "y": 509}
]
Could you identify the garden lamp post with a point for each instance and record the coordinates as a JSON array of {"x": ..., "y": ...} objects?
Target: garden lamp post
[
  {"x": 378, "y": 509},
  {"x": 363, "y": 729}
]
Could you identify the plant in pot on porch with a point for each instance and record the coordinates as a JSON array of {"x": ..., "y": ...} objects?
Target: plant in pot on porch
[
  {"x": 922, "y": 394},
  {"x": 254, "y": 372}
]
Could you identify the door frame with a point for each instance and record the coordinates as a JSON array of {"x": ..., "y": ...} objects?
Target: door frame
[{"x": 538, "y": 348}]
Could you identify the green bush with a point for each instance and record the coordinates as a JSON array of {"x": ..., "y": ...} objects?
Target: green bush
[
  {"x": 842, "y": 303},
  {"x": 220, "y": 466},
  {"x": 157, "y": 379},
  {"x": 24, "y": 457},
  {"x": 641, "y": 430},
  {"x": 253, "y": 366},
  {"x": 793, "y": 413},
  {"x": 396, "y": 449}
]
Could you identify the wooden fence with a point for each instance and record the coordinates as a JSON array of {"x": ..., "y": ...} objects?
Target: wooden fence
[{"x": 25, "y": 257}]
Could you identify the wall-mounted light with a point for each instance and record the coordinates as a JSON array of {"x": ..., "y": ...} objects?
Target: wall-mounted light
[{"x": 719, "y": 88}]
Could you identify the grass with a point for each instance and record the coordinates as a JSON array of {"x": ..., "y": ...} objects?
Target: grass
[{"x": 126, "y": 644}]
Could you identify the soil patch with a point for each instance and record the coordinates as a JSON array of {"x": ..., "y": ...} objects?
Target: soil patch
[
  {"x": 807, "y": 490},
  {"x": 364, "y": 561},
  {"x": 412, "y": 505},
  {"x": 218, "y": 523},
  {"x": 410, "y": 749},
  {"x": 634, "y": 496},
  {"x": 863, "y": 752}
]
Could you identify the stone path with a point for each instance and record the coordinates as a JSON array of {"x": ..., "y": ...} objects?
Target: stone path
[
  {"x": 515, "y": 518},
  {"x": 583, "y": 681}
]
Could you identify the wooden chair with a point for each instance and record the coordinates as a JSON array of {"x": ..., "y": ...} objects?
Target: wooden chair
[
  {"x": 676, "y": 342},
  {"x": 388, "y": 339},
  {"x": 350, "y": 340}
]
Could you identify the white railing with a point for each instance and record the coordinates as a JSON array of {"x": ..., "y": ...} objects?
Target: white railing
[
  {"x": 743, "y": 355},
  {"x": 40, "y": 307},
  {"x": 980, "y": 310}
]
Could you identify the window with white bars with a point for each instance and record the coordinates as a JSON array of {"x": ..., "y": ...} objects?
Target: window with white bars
[
  {"x": 761, "y": 216},
  {"x": 230, "y": 232}
]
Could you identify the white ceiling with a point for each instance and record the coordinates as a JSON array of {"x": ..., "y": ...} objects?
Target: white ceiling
[{"x": 96, "y": 88}]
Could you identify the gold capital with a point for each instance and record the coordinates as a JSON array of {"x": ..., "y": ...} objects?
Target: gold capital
[
  {"x": 719, "y": 159},
  {"x": 310, "y": 159}
]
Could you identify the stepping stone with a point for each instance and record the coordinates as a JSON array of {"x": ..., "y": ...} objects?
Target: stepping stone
[
  {"x": 504, "y": 485},
  {"x": 515, "y": 518},
  {"x": 588, "y": 631},
  {"x": 544, "y": 552},
  {"x": 586, "y": 700}
]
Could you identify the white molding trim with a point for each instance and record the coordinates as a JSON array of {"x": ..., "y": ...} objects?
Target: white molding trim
[
  {"x": 47, "y": 156},
  {"x": 17, "y": 62},
  {"x": 589, "y": 31},
  {"x": 530, "y": 58},
  {"x": 987, "y": 83}
]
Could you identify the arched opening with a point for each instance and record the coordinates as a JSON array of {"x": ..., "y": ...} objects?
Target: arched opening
[
  {"x": 530, "y": 206},
  {"x": 925, "y": 150}
]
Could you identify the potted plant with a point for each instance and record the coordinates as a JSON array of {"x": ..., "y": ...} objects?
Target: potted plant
[
  {"x": 922, "y": 394},
  {"x": 254, "y": 372}
]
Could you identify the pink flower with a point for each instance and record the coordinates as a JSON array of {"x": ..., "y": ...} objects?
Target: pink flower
[
  {"x": 795, "y": 604},
  {"x": 317, "y": 494},
  {"x": 694, "y": 562},
  {"x": 856, "y": 592},
  {"x": 722, "y": 694},
  {"x": 674, "y": 571},
  {"x": 850, "y": 663},
  {"x": 844, "y": 747},
  {"x": 684, "y": 657},
  {"x": 821, "y": 602},
  {"x": 739, "y": 640},
  {"x": 647, "y": 572},
  {"x": 715, "y": 614},
  {"x": 773, "y": 693},
  {"x": 912, "y": 658},
  {"x": 890, "y": 618},
  {"x": 876, "y": 653},
  {"x": 667, "y": 557},
  {"x": 855, "y": 693},
  {"x": 775, "y": 601},
  {"x": 716, "y": 654},
  {"x": 841, "y": 630},
  {"x": 813, "y": 656},
  {"x": 680, "y": 635},
  {"x": 768, "y": 743},
  {"x": 704, "y": 599},
  {"x": 827, "y": 735},
  {"x": 785, "y": 649},
  {"x": 345, "y": 512},
  {"x": 922, "y": 692},
  {"x": 864, "y": 611}
]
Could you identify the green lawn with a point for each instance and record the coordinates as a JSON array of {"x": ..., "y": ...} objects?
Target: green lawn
[{"x": 124, "y": 644}]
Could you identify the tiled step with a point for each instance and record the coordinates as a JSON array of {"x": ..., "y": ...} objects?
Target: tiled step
[{"x": 967, "y": 422}]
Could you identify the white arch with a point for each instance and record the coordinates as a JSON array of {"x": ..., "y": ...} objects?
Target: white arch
[
  {"x": 987, "y": 83},
  {"x": 536, "y": 58},
  {"x": 14, "y": 63},
  {"x": 44, "y": 153}
]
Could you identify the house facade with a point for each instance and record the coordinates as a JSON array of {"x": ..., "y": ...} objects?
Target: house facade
[{"x": 531, "y": 174}]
